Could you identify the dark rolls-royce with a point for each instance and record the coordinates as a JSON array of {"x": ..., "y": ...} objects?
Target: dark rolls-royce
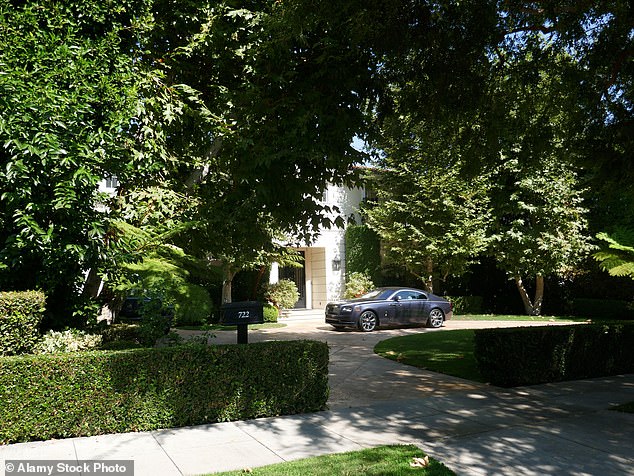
[{"x": 389, "y": 306}]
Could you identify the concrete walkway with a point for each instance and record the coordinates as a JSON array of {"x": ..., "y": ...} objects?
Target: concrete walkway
[{"x": 474, "y": 429}]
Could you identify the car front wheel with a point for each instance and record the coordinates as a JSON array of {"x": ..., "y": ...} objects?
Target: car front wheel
[
  {"x": 436, "y": 318},
  {"x": 368, "y": 321}
]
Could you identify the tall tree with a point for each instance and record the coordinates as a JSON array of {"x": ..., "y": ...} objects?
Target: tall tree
[
  {"x": 540, "y": 227},
  {"x": 287, "y": 82},
  {"x": 540, "y": 224},
  {"x": 70, "y": 92},
  {"x": 431, "y": 218}
]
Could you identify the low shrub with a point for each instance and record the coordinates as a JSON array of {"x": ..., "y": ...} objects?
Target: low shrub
[
  {"x": 466, "y": 304},
  {"x": 357, "y": 285},
  {"x": 71, "y": 340},
  {"x": 533, "y": 355},
  {"x": 283, "y": 294},
  {"x": 20, "y": 317},
  {"x": 270, "y": 313},
  {"x": 121, "y": 331},
  {"x": 89, "y": 393}
]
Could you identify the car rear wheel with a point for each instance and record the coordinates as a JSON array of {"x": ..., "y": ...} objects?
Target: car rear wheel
[
  {"x": 368, "y": 321},
  {"x": 436, "y": 318}
]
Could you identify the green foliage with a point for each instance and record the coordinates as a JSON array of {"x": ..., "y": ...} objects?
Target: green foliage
[
  {"x": 155, "y": 320},
  {"x": 363, "y": 251},
  {"x": 271, "y": 313},
  {"x": 165, "y": 274},
  {"x": 70, "y": 90},
  {"x": 431, "y": 220},
  {"x": 282, "y": 294},
  {"x": 540, "y": 225},
  {"x": 617, "y": 252},
  {"x": 466, "y": 304},
  {"x": 91, "y": 393},
  {"x": 71, "y": 340},
  {"x": 357, "y": 284},
  {"x": 20, "y": 318},
  {"x": 121, "y": 336},
  {"x": 533, "y": 355}
]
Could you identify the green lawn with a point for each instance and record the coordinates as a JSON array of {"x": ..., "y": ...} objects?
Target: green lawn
[
  {"x": 383, "y": 460},
  {"x": 512, "y": 317},
  {"x": 447, "y": 352}
]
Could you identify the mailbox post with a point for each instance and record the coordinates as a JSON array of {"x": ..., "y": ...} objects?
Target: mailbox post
[{"x": 241, "y": 314}]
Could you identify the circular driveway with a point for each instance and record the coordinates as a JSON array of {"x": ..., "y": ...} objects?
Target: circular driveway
[{"x": 358, "y": 376}]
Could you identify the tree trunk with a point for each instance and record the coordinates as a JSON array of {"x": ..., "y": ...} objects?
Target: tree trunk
[
  {"x": 539, "y": 295},
  {"x": 92, "y": 284},
  {"x": 227, "y": 279},
  {"x": 429, "y": 281},
  {"x": 534, "y": 307}
]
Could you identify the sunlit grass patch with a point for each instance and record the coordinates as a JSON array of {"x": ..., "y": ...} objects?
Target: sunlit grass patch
[
  {"x": 393, "y": 460},
  {"x": 448, "y": 352}
]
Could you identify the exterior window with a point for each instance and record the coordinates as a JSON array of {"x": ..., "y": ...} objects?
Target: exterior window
[{"x": 112, "y": 182}]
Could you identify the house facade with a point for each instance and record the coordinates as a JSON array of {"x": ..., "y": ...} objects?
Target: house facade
[{"x": 322, "y": 276}]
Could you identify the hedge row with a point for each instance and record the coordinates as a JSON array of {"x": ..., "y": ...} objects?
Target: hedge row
[
  {"x": 533, "y": 355},
  {"x": 20, "y": 317},
  {"x": 82, "y": 394}
]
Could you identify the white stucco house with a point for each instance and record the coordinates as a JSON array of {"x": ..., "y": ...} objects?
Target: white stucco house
[{"x": 322, "y": 276}]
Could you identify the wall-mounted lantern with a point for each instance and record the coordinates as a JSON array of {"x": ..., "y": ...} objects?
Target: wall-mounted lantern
[{"x": 336, "y": 264}]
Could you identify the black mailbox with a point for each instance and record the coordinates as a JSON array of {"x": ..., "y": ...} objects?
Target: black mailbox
[
  {"x": 245, "y": 312},
  {"x": 242, "y": 314}
]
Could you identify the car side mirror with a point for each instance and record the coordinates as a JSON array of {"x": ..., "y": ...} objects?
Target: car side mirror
[{"x": 397, "y": 298}]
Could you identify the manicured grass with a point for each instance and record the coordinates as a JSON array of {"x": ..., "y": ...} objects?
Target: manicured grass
[
  {"x": 512, "y": 317},
  {"x": 383, "y": 460},
  {"x": 447, "y": 352},
  {"x": 220, "y": 327},
  {"x": 625, "y": 408}
]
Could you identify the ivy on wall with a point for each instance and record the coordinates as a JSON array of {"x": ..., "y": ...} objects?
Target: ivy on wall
[{"x": 363, "y": 252}]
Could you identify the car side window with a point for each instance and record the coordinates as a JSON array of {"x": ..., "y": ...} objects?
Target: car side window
[
  {"x": 402, "y": 296},
  {"x": 409, "y": 295}
]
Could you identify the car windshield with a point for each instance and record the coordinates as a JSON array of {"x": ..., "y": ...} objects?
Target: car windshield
[{"x": 378, "y": 294}]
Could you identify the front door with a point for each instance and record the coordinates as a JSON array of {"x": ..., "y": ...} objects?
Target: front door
[{"x": 298, "y": 276}]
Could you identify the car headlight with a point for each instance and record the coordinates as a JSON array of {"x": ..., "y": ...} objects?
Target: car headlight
[{"x": 346, "y": 309}]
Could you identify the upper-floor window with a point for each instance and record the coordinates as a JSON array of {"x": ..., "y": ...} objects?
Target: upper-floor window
[{"x": 112, "y": 182}]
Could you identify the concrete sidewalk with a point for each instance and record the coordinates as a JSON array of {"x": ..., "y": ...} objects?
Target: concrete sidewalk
[{"x": 557, "y": 429}]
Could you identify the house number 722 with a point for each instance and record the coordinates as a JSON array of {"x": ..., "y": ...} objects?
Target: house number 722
[{"x": 243, "y": 314}]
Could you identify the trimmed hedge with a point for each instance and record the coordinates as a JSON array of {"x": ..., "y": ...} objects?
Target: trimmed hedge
[
  {"x": 90, "y": 393},
  {"x": 533, "y": 355},
  {"x": 21, "y": 313}
]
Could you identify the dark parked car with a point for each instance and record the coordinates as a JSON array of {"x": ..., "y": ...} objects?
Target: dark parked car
[{"x": 389, "y": 306}]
